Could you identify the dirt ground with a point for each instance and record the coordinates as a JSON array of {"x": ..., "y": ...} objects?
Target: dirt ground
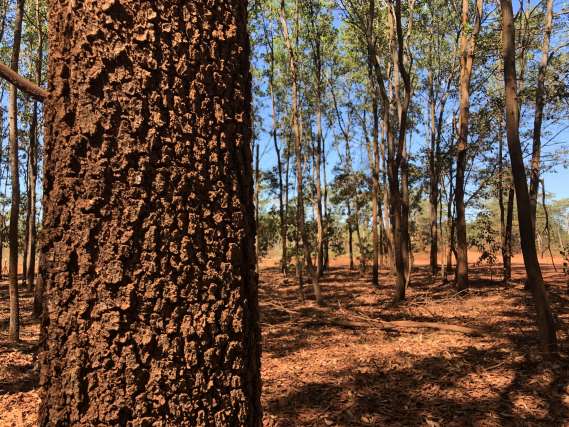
[{"x": 342, "y": 365}]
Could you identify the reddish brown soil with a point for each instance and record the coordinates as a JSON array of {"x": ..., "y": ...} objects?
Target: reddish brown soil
[{"x": 336, "y": 366}]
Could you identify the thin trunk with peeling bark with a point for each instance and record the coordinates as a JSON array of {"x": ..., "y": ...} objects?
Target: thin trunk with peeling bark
[
  {"x": 14, "y": 328},
  {"x": 298, "y": 145},
  {"x": 539, "y": 107},
  {"x": 468, "y": 40}
]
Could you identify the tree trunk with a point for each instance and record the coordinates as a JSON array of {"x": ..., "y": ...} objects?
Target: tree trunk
[
  {"x": 274, "y": 132},
  {"x": 538, "y": 119},
  {"x": 361, "y": 247},
  {"x": 298, "y": 137},
  {"x": 373, "y": 155},
  {"x": 433, "y": 180},
  {"x": 506, "y": 215},
  {"x": 14, "y": 329},
  {"x": 318, "y": 197},
  {"x": 31, "y": 267},
  {"x": 467, "y": 46},
  {"x": 535, "y": 280},
  {"x": 257, "y": 189},
  {"x": 152, "y": 313},
  {"x": 350, "y": 235},
  {"x": 26, "y": 223}
]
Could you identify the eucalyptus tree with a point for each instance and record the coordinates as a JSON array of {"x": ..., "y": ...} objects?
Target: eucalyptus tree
[
  {"x": 438, "y": 60},
  {"x": 291, "y": 40},
  {"x": 468, "y": 38},
  {"x": 536, "y": 283},
  {"x": 13, "y": 237}
]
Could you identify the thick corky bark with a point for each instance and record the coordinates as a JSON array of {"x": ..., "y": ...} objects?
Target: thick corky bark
[{"x": 148, "y": 241}]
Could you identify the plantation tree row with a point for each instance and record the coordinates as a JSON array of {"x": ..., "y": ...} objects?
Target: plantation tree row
[
  {"x": 389, "y": 130},
  {"x": 376, "y": 129}
]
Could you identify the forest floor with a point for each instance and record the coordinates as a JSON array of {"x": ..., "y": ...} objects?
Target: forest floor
[{"x": 358, "y": 361}]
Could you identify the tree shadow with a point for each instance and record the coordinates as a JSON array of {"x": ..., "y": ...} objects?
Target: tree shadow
[{"x": 498, "y": 379}]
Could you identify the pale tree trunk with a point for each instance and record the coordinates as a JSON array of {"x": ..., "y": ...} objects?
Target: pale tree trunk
[
  {"x": 26, "y": 222},
  {"x": 350, "y": 234},
  {"x": 316, "y": 50},
  {"x": 535, "y": 281},
  {"x": 36, "y": 285},
  {"x": 274, "y": 133},
  {"x": 298, "y": 137},
  {"x": 363, "y": 263},
  {"x": 450, "y": 202},
  {"x": 399, "y": 190},
  {"x": 318, "y": 195},
  {"x": 14, "y": 329},
  {"x": 373, "y": 144},
  {"x": 149, "y": 231},
  {"x": 468, "y": 40},
  {"x": 433, "y": 179},
  {"x": 539, "y": 107}
]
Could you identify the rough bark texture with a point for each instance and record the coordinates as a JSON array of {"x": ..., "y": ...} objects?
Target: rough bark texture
[
  {"x": 14, "y": 329},
  {"x": 152, "y": 315},
  {"x": 535, "y": 279}
]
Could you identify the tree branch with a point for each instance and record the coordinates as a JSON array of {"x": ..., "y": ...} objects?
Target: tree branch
[{"x": 23, "y": 84}]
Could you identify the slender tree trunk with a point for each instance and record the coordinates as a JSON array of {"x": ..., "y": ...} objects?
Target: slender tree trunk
[
  {"x": 433, "y": 180},
  {"x": 26, "y": 224},
  {"x": 535, "y": 280},
  {"x": 538, "y": 119},
  {"x": 326, "y": 212},
  {"x": 506, "y": 215},
  {"x": 256, "y": 149},
  {"x": 14, "y": 329},
  {"x": 361, "y": 246},
  {"x": 450, "y": 216},
  {"x": 407, "y": 253},
  {"x": 31, "y": 267},
  {"x": 373, "y": 155},
  {"x": 399, "y": 186},
  {"x": 152, "y": 313},
  {"x": 467, "y": 46},
  {"x": 350, "y": 234},
  {"x": 509, "y": 234},
  {"x": 274, "y": 132},
  {"x": 298, "y": 137},
  {"x": 318, "y": 201}
]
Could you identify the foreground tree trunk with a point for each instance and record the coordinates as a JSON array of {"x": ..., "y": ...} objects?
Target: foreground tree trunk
[
  {"x": 151, "y": 314},
  {"x": 14, "y": 328},
  {"x": 535, "y": 280}
]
